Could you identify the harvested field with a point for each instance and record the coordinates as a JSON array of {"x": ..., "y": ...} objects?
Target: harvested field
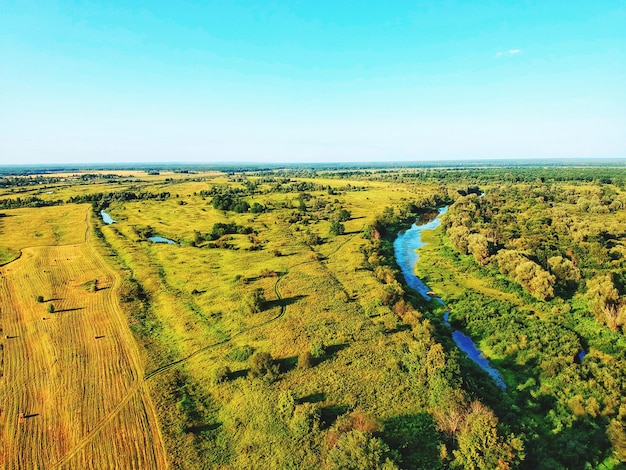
[{"x": 71, "y": 384}]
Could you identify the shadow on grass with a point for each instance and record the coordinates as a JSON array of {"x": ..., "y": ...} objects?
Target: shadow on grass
[
  {"x": 398, "y": 329},
  {"x": 285, "y": 302},
  {"x": 200, "y": 428},
  {"x": 69, "y": 309},
  {"x": 329, "y": 414},
  {"x": 287, "y": 364},
  {"x": 331, "y": 351},
  {"x": 313, "y": 398},
  {"x": 416, "y": 438},
  {"x": 238, "y": 374}
]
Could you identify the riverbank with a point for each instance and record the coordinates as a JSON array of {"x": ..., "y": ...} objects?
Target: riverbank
[{"x": 406, "y": 247}]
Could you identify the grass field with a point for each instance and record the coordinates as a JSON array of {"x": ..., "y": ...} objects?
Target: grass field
[
  {"x": 71, "y": 385},
  {"x": 43, "y": 226},
  {"x": 318, "y": 294}
]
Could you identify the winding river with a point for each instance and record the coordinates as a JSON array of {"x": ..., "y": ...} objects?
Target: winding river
[{"x": 405, "y": 249}]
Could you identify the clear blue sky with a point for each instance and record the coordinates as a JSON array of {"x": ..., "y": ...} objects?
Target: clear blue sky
[{"x": 310, "y": 80}]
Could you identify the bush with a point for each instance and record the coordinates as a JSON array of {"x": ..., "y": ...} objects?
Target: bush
[
  {"x": 257, "y": 208},
  {"x": 255, "y": 301},
  {"x": 50, "y": 308},
  {"x": 312, "y": 239},
  {"x": 130, "y": 290},
  {"x": 357, "y": 450},
  {"x": 305, "y": 360},
  {"x": 220, "y": 375},
  {"x": 40, "y": 298},
  {"x": 337, "y": 228},
  {"x": 262, "y": 365},
  {"x": 343, "y": 215},
  {"x": 318, "y": 349}
]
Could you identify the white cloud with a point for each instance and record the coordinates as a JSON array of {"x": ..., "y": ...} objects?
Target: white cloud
[{"x": 509, "y": 52}]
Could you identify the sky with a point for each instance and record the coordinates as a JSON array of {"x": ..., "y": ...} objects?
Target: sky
[{"x": 311, "y": 81}]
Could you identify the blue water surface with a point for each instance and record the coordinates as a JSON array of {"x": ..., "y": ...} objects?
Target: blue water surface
[
  {"x": 162, "y": 240},
  {"x": 106, "y": 218},
  {"x": 405, "y": 249}
]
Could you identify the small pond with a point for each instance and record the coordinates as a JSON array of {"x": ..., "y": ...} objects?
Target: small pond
[
  {"x": 162, "y": 240},
  {"x": 106, "y": 218}
]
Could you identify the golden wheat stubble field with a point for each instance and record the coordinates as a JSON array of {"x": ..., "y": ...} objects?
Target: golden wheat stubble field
[{"x": 71, "y": 388}]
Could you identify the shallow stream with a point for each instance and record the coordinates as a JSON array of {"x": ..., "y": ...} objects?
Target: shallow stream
[{"x": 406, "y": 248}]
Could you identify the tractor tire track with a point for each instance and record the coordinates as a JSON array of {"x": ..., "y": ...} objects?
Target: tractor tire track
[{"x": 136, "y": 368}]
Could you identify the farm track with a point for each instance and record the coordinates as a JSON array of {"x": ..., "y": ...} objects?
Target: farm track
[{"x": 67, "y": 376}]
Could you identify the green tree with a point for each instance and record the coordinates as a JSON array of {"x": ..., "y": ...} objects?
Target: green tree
[
  {"x": 220, "y": 374},
  {"x": 305, "y": 360},
  {"x": 255, "y": 301},
  {"x": 343, "y": 215},
  {"x": 371, "y": 232},
  {"x": 458, "y": 235},
  {"x": 563, "y": 269},
  {"x": 480, "y": 445},
  {"x": 358, "y": 450},
  {"x": 318, "y": 349},
  {"x": 305, "y": 420},
  {"x": 301, "y": 204},
  {"x": 130, "y": 290},
  {"x": 337, "y": 228},
  {"x": 478, "y": 246},
  {"x": 286, "y": 404},
  {"x": 262, "y": 365},
  {"x": 601, "y": 291},
  {"x": 312, "y": 239},
  {"x": 257, "y": 208},
  {"x": 617, "y": 435}
]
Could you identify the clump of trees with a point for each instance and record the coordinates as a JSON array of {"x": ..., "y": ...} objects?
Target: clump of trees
[
  {"x": 229, "y": 202},
  {"x": 605, "y": 301},
  {"x": 353, "y": 444},
  {"x": 532, "y": 277},
  {"x": 101, "y": 201},
  {"x": 537, "y": 236},
  {"x": 32, "y": 201}
]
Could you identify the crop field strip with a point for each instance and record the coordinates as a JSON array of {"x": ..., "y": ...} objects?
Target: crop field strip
[{"x": 69, "y": 374}]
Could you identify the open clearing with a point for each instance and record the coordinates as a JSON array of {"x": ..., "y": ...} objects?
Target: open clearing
[{"x": 71, "y": 380}]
